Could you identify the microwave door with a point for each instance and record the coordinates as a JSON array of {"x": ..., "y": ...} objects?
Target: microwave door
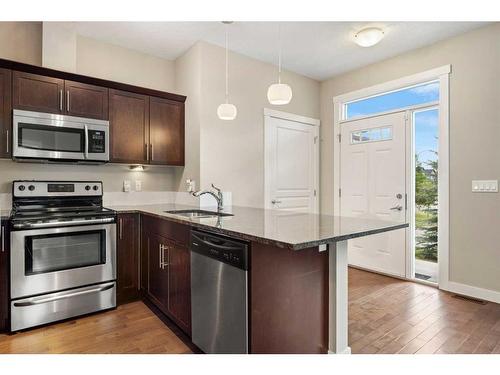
[{"x": 42, "y": 138}]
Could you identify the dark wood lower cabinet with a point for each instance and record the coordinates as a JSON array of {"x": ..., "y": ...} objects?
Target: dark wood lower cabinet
[
  {"x": 127, "y": 248},
  {"x": 4, "y": 277},
  {"x": 166, "y": 269}
]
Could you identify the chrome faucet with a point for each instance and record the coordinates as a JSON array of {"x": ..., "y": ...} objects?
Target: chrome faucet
[{"x": 218, "y": 196}]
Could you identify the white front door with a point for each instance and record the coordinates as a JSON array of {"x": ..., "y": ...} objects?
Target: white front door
[
  {"x": 291, "y": 164},
  {"x": 373, "y": 182}
]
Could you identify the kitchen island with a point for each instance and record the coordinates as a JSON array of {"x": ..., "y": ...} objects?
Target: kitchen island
[{"x": 298, "y": 271}]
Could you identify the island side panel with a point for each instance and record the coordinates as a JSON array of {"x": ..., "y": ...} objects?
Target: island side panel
[{"x": 288, "y": 300}]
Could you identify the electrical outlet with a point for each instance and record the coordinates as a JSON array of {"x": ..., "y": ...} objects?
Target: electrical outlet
[
  {"x": 126, "y": 186},
  {"x": 485, "y": 186},
  {"x": 138, "y": 185}
]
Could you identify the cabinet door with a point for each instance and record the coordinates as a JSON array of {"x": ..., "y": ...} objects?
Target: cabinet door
[
  {"x": 129, "y": 123},
  {"x": 5, "y": 113},
  {"x": 157, "y": 273},
  {"x": 4, "y": 276},
  {"x": 37, "y": 93},
  {"x": 179, "y": 285},
  {"x": 166, "y": 131},
  {"x": 127, "y": 258},
  {"x": 86, "y": 100}
]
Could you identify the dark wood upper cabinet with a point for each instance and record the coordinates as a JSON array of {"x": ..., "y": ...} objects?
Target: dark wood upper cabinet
[
  {"x": 4, "y": 276},
  {"x": 86, "y": 100},
  {"x": 34, "y": 92},
  {"x": 129, "y": 124},
  {"x": 127, "y": 250},
  {"x": 5, "y": 113},
  {"x": 166, "y": 124}
]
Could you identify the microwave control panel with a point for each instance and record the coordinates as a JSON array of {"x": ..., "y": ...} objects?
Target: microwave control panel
[{"x": 97, "y": 140}]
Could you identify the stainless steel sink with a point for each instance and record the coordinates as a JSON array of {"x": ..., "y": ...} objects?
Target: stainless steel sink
[{"x": 193, "y": 214}]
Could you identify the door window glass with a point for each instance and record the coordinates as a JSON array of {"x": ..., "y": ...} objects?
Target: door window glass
[{"x": 55, "y": 252}]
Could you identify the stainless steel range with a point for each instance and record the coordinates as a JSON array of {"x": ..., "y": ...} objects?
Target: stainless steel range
[{"x": 63, "y": 252}]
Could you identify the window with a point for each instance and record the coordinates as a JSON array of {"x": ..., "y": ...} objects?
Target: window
[
  {"x": 371, "y": 135},
  {"x": 410, "y": 96}
]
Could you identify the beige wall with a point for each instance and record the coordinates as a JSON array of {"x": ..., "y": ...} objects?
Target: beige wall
[
  {"x": 232, "y": 152},
  {"x": 474, "y": 142},
  {"x": 21, "y": 41},
  {"x": 103, "y": 60}
]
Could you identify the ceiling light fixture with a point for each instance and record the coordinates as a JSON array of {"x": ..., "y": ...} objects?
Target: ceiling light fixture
[
  {"x": 368, "y": 37},
  {"x": 227, "y": 111},
  {"x": 279, "y": 93}
]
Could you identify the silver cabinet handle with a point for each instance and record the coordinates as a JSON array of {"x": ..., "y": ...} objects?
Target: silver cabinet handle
[
  {"x": 121, "y": 228},
  {"x": 86, "y": 142},
  {"x": 165, "y": 264},
  {"x": 39, "y": 300},
  {"x": 3, "y": 239},
  {"x": 152, "y": 152},
  {"x": 147, "y": 151},
  {"x": 60, "y": 100},
  {"x": 397, "y": 208},
  {"x": 160, "y": 248},
  {"x": 67, "y": 100},
  {"x": 7, "y": 142},
  {"x": 274, "y": 201}
]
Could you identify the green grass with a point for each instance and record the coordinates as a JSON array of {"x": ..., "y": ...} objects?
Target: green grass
[{"x": 421, "y": 219}]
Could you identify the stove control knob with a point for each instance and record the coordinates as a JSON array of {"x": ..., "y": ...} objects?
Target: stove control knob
[
  {"x": 21, "y": 187},
  {"x": 31, "y": 187},
  {"x": 87, "y": 187},
  {"x": 96, "y": 187}
]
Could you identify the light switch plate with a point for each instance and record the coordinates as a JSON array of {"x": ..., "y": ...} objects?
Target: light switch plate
[
  {"x": 485, "y": 186},
  {"x": 138, "y": 185},
  {"x": 126, "y": 186}
]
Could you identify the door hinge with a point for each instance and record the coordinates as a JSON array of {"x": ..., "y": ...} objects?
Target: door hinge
[
  {"x": 314, "y": 192},
  {"x": 315, "y": 139},
  {"x": 340, "y": 192},
  {"x": 339, "y": 136}
]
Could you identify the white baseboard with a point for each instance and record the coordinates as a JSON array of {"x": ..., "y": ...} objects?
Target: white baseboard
[{"x": 471, "y": 291}]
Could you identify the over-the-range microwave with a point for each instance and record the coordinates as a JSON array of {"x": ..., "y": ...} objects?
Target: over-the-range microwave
[{"x": 38, "y": 136}]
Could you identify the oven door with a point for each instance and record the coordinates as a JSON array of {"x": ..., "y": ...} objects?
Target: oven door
[
  {"x": 49, "y": 137},
  {"x": 50, "y": 260}
]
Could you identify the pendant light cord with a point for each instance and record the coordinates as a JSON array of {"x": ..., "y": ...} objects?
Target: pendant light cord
[
  {"x": 227, "y": 68},
  {"x": 279, "y": 53}
]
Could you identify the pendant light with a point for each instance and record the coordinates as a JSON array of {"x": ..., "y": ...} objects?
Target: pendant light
[
  {"x": 227, "y": 111},
  {"x": 279, "y": 93}
]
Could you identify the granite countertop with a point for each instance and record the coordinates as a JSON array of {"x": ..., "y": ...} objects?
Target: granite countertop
[{"x": 286, "y": 229}]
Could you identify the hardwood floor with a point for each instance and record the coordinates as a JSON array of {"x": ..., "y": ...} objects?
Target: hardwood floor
[
  {"x": 386, "y": 315},
  {"x": 131, "y": 328}
]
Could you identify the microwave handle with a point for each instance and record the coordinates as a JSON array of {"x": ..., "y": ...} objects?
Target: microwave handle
[{"x": 86, "y": 142}]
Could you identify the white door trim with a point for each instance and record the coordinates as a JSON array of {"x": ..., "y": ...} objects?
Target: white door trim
[
  {"x": 271, "y": 113},
  {"x": 440, "y": 74}
]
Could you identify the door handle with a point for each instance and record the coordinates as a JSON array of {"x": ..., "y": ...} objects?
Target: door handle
[
  {"x": 40, "y": 300},
  {"x": 67, "y": 100},
  {"x": 60, "y": 100},
  {"x": 3, "y": 239},
  {"x": 121, "y": 228},
  {"x": 86, "y": 141},
  {"x": 274, "y": 201},
  {"x": 147, "y": 151},
  {"x": 397, "y": 208},
  {"x": 152, "y": 152}
]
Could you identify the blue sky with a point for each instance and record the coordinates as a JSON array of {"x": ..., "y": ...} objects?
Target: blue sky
[{"x": 426, "y": 122}]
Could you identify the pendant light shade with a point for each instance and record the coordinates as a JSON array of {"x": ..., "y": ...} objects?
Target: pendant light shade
[
  {"x": 227, "y": 111},
  {"x": 279, "y": 93}
]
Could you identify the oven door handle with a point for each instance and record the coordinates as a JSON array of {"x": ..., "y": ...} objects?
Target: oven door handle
[
  {"x": 40, "y": 300},
  {"x": 64, "y": 223}
]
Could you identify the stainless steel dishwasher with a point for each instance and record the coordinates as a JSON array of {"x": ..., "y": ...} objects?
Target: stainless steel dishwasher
[{"x": 219, "y": 293}]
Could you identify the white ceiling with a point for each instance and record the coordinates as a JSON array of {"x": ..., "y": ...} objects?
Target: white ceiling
[{"x": 315, "y": 49}]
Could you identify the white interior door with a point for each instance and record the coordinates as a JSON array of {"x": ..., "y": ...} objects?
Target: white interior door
[
  {"x": 373, "y": 182},
  {"x": 291, "y": 165}
]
